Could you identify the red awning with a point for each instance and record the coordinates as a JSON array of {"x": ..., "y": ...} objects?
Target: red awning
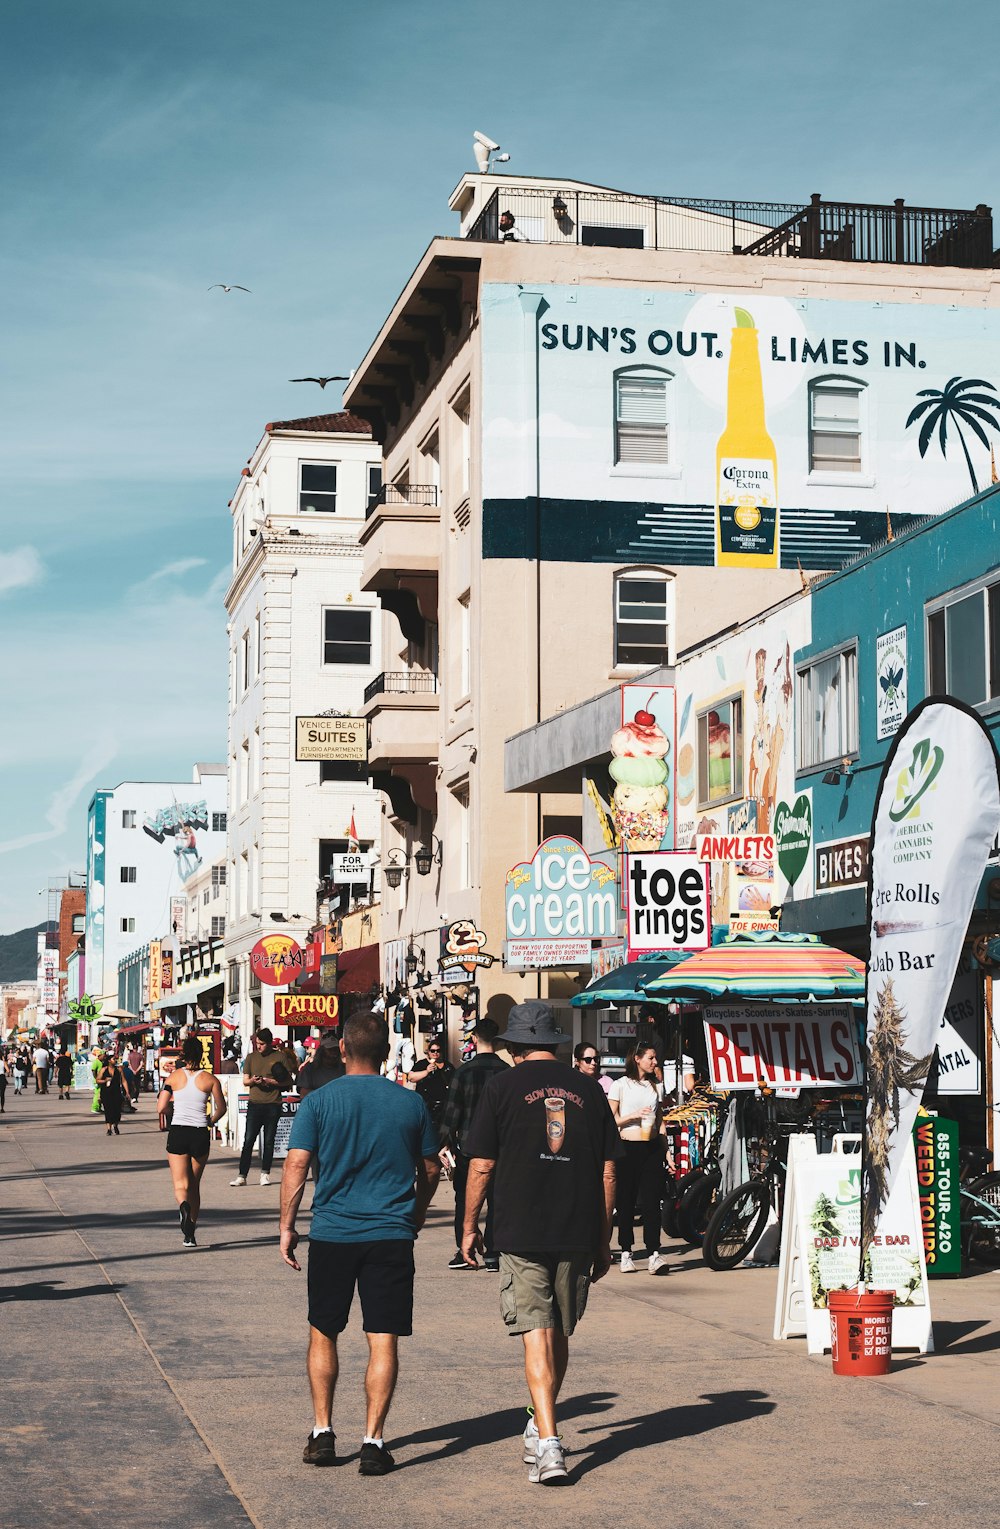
[{"x": 358, "y": 970}]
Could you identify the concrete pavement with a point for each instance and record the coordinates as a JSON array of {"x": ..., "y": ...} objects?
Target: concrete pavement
[{"x": 148, "y": 1386}]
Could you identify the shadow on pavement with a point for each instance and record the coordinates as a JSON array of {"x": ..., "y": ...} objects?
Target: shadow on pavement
[
  {"x": 949, "y": 1335},
  {"x": 721, "y": 1409},
  {"x": 492, "y": 1427},
  {"x": 45, "y": 1290}
]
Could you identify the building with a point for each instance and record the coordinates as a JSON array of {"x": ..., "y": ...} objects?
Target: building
[
  {"x": 145, "y": 841},
  {"x": 305, "y": 642},
  {"x": 18, "y": 1008},
  {"x": 606, "y": 433}
]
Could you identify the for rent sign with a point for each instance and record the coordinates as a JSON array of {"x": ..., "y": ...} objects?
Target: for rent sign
[{"x": 814, "y": 1046}]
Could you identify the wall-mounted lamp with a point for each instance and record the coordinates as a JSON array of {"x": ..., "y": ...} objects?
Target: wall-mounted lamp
[
  {"x": 833, "y": 775},
  {"x": 397, "y": 863},
  {"x": 559, "y": 206},
  {"x": 413, "y": 962},
  {"x": 425, "y": 858}
]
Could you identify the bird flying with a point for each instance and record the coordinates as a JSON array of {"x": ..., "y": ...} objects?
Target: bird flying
[
  {"x": 233, "y": 287},
  {"x": 321, "y": 380}
]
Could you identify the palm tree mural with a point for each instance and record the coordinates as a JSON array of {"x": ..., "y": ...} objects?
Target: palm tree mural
[{"x": 956, "y": 404}]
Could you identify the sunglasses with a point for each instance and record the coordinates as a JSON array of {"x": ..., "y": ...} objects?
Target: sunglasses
[{"x": 590, "y": 1059}]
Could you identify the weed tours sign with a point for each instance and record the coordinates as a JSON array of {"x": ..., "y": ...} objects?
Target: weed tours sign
[{"x": 936, "y": 815}]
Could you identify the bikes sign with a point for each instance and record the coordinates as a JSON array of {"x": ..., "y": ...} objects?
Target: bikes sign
[{"x": 754, "y": 1044}]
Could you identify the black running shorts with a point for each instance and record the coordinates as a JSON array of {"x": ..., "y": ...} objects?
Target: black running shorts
[
  {"x": 382, "y": 1273},
  {"x": 189, "y": 1141}
]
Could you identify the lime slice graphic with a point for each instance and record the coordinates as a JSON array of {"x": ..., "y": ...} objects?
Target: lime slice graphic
[{"x": 744, "y": 320}]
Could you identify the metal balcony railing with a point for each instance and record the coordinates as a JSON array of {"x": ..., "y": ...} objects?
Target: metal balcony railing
[
  {"x": 403, "y": 682},
  {"x": 410, "y": 493},
  {"x": 857, "y": 231}
]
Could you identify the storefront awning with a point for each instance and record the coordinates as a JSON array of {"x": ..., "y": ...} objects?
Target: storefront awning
[{"x": 358, "y": 970}]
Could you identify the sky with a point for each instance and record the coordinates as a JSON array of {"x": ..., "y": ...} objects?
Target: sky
[{"x": 307, "y": 151}]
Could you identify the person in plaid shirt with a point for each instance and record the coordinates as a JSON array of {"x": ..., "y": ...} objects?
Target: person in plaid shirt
[{"x": 464, "y": 1094}]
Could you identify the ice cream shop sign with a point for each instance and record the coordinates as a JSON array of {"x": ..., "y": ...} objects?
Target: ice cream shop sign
[{"x": 556, "y": 903}]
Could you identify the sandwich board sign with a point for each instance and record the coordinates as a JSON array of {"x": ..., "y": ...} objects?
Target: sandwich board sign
[{"x": 821, "y": 1238}]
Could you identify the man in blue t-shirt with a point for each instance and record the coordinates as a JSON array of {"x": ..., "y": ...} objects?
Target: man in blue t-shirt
[{"x": 375, "y": 1159}]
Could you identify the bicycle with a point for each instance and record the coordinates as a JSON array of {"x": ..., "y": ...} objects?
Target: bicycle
[{"x": 979, "y": 1208}]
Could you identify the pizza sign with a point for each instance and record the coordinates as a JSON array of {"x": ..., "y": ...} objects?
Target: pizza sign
[{"x": 277, "y": 959}]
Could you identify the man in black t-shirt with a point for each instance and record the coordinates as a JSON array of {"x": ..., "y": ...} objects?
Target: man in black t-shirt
[{"x": 546, "y": 1137}]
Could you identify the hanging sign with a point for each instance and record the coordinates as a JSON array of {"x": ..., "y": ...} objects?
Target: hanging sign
[
  {"x": 890, "y": 678},
  {"x": 561, "y": 894},
  {"x": 155, "y": 970},
  {"x": 319, "y": 1009},
  {"x": 667, "y": 902},
  {"x": 277, "y": 959},
  {"x": 783, "y": 1046},
  {"x": 641, "y": 765},
  {"x": 793, "y": 836},
  {"x": 352, "y": 868},
  {"x": 841, "y": 863},
  {"x": 340, "y": 739},
  {"x": 935, "y": 1142},
  {"x": 462, "y": 948},
  {"x": 936, "y": 815}
]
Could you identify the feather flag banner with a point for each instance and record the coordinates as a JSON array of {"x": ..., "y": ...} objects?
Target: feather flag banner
[{"x": 936, "y": 814}]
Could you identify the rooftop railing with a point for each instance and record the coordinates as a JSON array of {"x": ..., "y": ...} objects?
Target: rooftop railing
[
  {"x": 857, "y": 231},
  {"x": 410, "y": 493},
  {"x": 402, "y": 682}
]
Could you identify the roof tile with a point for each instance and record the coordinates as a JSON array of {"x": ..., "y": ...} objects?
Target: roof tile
[{"x": 344, "y": 423}]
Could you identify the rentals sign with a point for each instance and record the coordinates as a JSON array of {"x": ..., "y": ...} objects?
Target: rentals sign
[{"x": 784, "y": 1046}]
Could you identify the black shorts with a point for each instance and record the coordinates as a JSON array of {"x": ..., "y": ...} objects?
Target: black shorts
[
  {"x": 383, "y": 1275},
  {"x": 189, "y": 1141}
]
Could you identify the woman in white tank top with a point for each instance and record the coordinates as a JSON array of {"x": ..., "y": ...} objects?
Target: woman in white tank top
[{"x": 189, "y": 1090}]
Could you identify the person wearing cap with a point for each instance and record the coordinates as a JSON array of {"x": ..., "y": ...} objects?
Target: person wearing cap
[
  {"x": 464, "y": 1094},
  {"x": 544, "y": 1136}
]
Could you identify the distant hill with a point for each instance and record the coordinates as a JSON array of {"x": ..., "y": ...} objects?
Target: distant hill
[{"x": 19, "y": 955}]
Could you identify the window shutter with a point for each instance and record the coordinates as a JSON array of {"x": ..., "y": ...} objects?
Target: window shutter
[{"x": 642, "y": 420}]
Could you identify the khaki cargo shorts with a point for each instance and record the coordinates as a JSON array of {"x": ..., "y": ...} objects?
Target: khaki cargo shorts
[{"x": 544, "y": 1290}]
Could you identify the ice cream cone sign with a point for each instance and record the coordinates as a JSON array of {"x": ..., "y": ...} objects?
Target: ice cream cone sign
[
  {"x": 462, "y": 947},
  {"x": 641, "y": 803}
]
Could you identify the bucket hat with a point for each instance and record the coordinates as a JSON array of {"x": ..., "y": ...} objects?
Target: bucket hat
[{"x": 534, "y": 1023}]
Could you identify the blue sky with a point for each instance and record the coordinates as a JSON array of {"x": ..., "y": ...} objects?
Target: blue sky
[{"x": 307, "y": 151}]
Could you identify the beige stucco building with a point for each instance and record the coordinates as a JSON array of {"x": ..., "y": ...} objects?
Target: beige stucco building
[{"x": 558, "y": 412}]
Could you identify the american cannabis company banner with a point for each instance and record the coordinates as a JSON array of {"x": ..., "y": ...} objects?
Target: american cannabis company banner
[{"x": 936, "y": 814}]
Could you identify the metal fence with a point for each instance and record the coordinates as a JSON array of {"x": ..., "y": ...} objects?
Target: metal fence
[
  {"x": 403, "y": 682},
  {"x": 410, "y": 493},
  {"x": 893, "y": 234}
]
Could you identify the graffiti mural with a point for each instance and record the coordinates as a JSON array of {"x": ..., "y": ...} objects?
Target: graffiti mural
[{"x": 180, "y": 822}]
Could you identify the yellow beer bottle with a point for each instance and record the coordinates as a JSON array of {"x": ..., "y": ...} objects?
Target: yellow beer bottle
[{"x": 746, "y": 464}]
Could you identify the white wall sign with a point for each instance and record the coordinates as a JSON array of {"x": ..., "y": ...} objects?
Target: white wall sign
[
  {"x": 523, "y": 955},
  {"x": 890, "y": 681},
  {"x": 667, "y": 901},
  {"x": 344, "y": 739},
  {"x": 960, "y": 1037},
  {"x": 786, "y": 1046},
  {"x": 821, "y": 1240}
]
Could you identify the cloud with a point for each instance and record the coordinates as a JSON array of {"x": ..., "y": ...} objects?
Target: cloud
[
  {"x": 64, "y": 799},
  {"x": 20, "y": 568},
  {"x": 175, "y": 570}
]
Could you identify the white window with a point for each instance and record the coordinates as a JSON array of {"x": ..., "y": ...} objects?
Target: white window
[
  {"x": 374, "y": 483},
  {"x": 463, "y": 413},
  {"x": 643, "y": 609},
  {"x": 318, "y": 487},
  {"x": 79, "y": 923},
  {"x": 219, "y": 827},
  {"x": 720, "y": 752},
  {"x": 128, "y": 873},
  {"x": 256, "y": 762},
  {"x": 128, "y": 817},
  {"x": 233, "y": 679},
  {"x": 128, "y": 926},
  {"x": 219, "y": 875},
  {"x": 464, "y": 817},
  {"x": 257, "y": 652},
  {"x": 432, "y": 462},
  {"x": 245, "y": 661},
  {"x": 963, "y": 646},
  {"x": 642, "y": 415},
  {"x": 835, "y": 405},
  {"x": 244, "y": 884},
  {"x": 206, "y": 897},
  {"x": 347, "y": 636},
  {"x": 218, "y": 927},
  {"x": 465, "y": 645},
  {"x": 827, "y": 709}
]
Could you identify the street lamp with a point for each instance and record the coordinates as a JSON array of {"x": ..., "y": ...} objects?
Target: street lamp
[
  {"x": 425, "y": 858},
  {"x": 395, "y": 868}
]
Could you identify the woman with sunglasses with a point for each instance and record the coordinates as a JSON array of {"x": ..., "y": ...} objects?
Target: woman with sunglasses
[{"x": 588, "y": 1059}]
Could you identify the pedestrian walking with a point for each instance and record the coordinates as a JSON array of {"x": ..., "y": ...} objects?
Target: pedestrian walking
[
  {"x": 326, "y": 1066},
  {"x": 435, "y": 1081},
  {"x": 20, "y": 1071},
  {"x": 637, "y": 1103},
  {"x": 374, "y": 1155},
  {"x": 266, "y": 1075},
  {"x": 40, "y": 1064},
  {"x": 3, "y": 1084},
  {"x": 464, "y": 1094},
  {"x": 111, "y": 1085},
  {"x": 545, "y": 1136},
  {"x": 192, "y": 1091},
  {"x": 64, "y": 1071}
]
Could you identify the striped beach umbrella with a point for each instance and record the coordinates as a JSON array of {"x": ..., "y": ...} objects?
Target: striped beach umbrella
[
  {"x": 769, "y": 968},
  {"x": 628, "y": 983}
]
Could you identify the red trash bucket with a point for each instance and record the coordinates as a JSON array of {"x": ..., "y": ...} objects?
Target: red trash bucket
[{"x": 861, "y": 1331}]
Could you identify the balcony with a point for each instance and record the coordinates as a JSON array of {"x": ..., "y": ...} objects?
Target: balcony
[
  {"x": 893, "y": 234},
  {"x": 400, "y": 535},
  {"x": 402, "y": 710}
]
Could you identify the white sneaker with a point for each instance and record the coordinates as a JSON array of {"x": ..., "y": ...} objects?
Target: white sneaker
[
  {"x": 627, "y": 1265},
  {"x": 530, "y": 1437},
  {"x": 239, "y": 1179},
  {"x": 265, "y": 1178},
  {"x": 548, "y": 1464},
  {"x": 658, "y": 1264}
]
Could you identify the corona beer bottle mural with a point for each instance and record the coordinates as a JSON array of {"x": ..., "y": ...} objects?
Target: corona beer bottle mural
[{"x": 746, "y": 503}]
